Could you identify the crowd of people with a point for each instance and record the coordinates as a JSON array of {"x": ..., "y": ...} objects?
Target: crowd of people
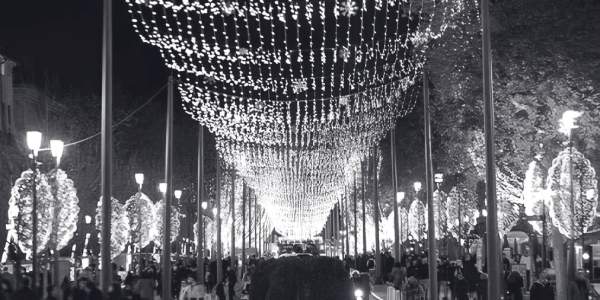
[
  {"x": 458, "y": 279},
  {"x": 143, "y": 282},
  {"x": 461, "y": 279}
]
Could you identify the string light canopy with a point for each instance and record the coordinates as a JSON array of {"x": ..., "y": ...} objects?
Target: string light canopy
[{"x": 296, "y": 92}]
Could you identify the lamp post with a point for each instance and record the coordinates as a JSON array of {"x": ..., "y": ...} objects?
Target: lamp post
[
  {"x": 438, "y": 178},
  {"x": 417, "y": 185},
  {"x": 395, "y": 187},
  {"x": 399, "y": 198},
  {"x": 139, "y": 180},
  {"x": 177, "y": 194},
  {"x": 56, "y": 149},
  {"x": 34, "y": 141}
]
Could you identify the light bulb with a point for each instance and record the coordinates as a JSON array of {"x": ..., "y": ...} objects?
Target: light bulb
[
  {"x": 417, "y": 185},
  {"x": 567, "y": 121},
  {"x": 139, "y": 178},
  {"x": 177, "y": 194},
  {"x": 162, "y": 187},
  {"x": 34, "y": 141},
  {"x": 204, "y": 205},
  {"x": 57, "y": 147},
  {"x": 400, "y": 196}
]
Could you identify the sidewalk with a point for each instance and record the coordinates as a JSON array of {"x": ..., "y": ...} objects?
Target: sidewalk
[{"x": 379, "y": 292}]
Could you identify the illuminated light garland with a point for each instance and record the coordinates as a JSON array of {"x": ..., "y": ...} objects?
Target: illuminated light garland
[
  {"x": 509, "y": 185},
  {"x": 159, "y": 209},
  {"x": 404, "y": 232},
  {"x": 461, "y": 205},
  {"x": 417, "y": 220},
  {"x": 535, "y": 195},
  {"x": 20, "y": 211},
  {"x": 585, "y": 193},
  {"x": 142, "y": 218},
  {"x": 296, "y": 93},
  {"x": 119, "y": 227},
  {"x": 440, "y": 213},
  {"x": 65, "y": 209}
]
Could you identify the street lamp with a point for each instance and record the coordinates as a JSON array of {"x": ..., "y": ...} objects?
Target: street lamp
[
  {"x": 139, "y": 179},
  {"x": 88, "y": 219},
  {"x": 400, "y": 196},
  {"x": 177, "y": 194},
  {"x": 417, "y": 186},
  {"x": 204, "y": 205},
  {"x": 34, "y": 142},
  {"x": 162, "y": 187},
  {"x": 438, "y": 178},
  {"x": 56, "y": 148}
]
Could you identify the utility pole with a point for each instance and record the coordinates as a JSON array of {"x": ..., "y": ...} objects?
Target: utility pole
[
  {"x": 490, "y": 158},
  {"x": 431, "y": 242},
  {"x": 166, "y": 251},
  {"x": 199, "y": 208},
  {"x": 106, "y": 146}
]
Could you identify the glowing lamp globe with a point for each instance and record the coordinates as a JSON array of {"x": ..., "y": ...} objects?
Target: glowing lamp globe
[
  {"x": 162, "y": 187},
  {"x": 34, "y": 141},
  {"x": 400, "y": 196},
  {"x": 585, "y": 256},
  {"x": 204, "y": 205},
  {"x": 417, "y": 185},
  {"x": 57, "y": 147},
  {"x": 177, "y": 194},
  {"x": 139, "y": 178},
  {"x": 567, "y": 122}
]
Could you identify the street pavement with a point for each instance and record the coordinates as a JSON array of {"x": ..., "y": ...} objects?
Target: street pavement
[{"x": 379, "y": 292}]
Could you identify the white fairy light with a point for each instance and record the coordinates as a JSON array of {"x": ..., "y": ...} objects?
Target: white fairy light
[{"x": 281, "y": 91}]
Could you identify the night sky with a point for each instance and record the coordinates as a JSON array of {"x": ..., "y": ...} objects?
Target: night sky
[{"x": 62, "y": 40}]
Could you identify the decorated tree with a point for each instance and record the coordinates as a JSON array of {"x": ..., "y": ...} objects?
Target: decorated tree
[
  {"x": 535, "y": 197},
  {"x": 65, "y": 209},
  {"x": 142, "y": 216},
  {"x": 417, "y": 219},
  {"x": 21, "y": 207},
  {"x": 461, "y": 211},
  {"x": 573, "y": 193},
  {"x": 159, "y": 223},
  {"x": 440, "y": 208},
  {"x": 119, "y": 227}
]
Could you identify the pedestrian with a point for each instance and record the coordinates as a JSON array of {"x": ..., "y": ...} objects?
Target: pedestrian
[
  {"x": 460, "y": 286},
  {"x": 398, "y": 275},
  {"x": 25, "y": 292},
  {"x": 231, "y": 281},
  {"x": 413, "y": 290},
  {"x": 541, "y": 288},
  {"x": 514, "y": 286}
]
